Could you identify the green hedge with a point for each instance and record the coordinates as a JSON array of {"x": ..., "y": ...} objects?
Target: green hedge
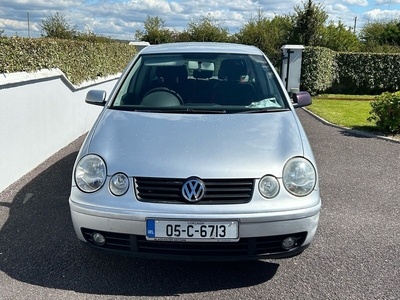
[
  {"x": 324, "y": 70},
  {"x": 319, "y": 69},
  {"x": 366, "y": 73},
  {"x": 79, "y": 60}
]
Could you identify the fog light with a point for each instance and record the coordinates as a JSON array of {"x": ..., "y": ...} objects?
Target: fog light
[
  {"x": 288, "y": 243},
  {"x": 98, "y": 239}
]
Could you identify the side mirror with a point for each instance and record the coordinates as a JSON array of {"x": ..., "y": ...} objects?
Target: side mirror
[
  {"x": 96, "y": 97},
  {"x": 301, "y": 99}
]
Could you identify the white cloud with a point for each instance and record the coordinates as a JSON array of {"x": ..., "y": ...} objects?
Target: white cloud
[
  {"x": 176, "y": 7},
  {"x": 157, "y": 5},
  {"x": 15, "y": 26},
  {"x": 378, "y": 14},
  {"x": 41, "y": 4},
  {"x": 160, "y": 6},
  {"x": 387, "y": 2},
  {"x": 337, "y": 9},
  {"x": 12, "y": 24}
]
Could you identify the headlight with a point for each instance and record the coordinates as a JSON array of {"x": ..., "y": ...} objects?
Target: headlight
[
  {"x": 268, "y": 186},
  {"x": 119, "y": 184},
  {"x": 299, "y": 176},
  {"x": 90, "y": 173}
]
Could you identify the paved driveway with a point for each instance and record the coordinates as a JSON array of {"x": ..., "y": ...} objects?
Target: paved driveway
[{"x": 356, "y": 253}]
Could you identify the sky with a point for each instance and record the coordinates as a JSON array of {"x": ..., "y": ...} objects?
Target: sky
[{"x": 120, "y": 19}]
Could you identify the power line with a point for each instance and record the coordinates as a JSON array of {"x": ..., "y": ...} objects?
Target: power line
[{"x": 388, "y": 8}]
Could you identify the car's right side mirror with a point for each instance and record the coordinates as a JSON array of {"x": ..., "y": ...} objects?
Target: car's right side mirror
[
  {"x": 301, "y": 99},
  {"x": 96, "y": 97}
]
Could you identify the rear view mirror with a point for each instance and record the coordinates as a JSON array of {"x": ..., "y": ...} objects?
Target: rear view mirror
[
  {"x": 201, "y": 65},
  {"x": 301, "y": 99},
  {"x": 96, "y": 97}
]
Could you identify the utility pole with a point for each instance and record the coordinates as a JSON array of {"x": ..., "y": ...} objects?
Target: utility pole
[
  {"x": 355, "y": 24},
  {"x": 29, "y": 29}
]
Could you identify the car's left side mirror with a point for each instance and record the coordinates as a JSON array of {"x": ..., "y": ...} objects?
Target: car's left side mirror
[
  {"x": 96, "y": 97},
  {"x": 301, "y": 99}
]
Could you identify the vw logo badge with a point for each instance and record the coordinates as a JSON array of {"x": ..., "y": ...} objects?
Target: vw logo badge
[{"x": 193, "y": 190}]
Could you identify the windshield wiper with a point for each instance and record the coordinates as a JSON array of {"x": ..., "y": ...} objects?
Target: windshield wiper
[
  {"x": 183, "y": 111},
  {"x": 204, "y": 111},
  {"x": 263, "y": 110}
]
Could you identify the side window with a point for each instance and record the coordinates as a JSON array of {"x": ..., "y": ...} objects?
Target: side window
[
  {"x": 265, "y": 82},
  {"x": 127, "y": 88}
]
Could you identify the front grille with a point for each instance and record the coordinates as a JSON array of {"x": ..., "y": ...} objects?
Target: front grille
[
  {"x": 138, "y": 245},
  {"x": 244, "y": 247},
  {"x": 218, "y": 191}
]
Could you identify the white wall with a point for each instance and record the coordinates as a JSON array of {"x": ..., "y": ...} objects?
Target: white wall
[{"x": 40, "y": 113}]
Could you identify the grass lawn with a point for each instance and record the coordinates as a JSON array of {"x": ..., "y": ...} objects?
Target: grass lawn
[
  {"x": 347, "y": 110},
  {"x": 347, "y": 113}
]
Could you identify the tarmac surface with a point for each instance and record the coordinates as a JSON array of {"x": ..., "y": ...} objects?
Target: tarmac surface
[{"x": 355, "y": 254}]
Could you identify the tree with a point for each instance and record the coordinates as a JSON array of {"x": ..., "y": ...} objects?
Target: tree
[
  {"x": 207, "y": 29},
  {"x": 267, "y": 35},
  {"x": 371, "y": 32},
  {"x": 155, "y": 31},
  {"x": 56, "y": 26},
  {"x": 90, "y": 36},
  {"x": 381, "y": 36},
  {"x": 183, "y": 36},
  {"x": 308, "y": 23},
  {"x": 391, "y": 34},
  {"x": 339, "y": 38}
]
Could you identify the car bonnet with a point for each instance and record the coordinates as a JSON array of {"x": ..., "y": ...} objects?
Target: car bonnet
[{"x": 204, "y": 145}]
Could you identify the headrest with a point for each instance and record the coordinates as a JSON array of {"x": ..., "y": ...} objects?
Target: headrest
[
  {"x": 172, "y": 74},
  {"x": 232, "y": 69}
]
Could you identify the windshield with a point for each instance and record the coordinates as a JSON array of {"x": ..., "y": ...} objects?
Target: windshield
[{"x": 190, "y": 82}]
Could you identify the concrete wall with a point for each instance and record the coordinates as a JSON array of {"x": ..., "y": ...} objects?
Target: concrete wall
[{"x": 41, "y": 113}]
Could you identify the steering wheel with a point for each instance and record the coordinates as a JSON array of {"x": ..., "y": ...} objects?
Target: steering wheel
[{"x": 161, "y": 96}]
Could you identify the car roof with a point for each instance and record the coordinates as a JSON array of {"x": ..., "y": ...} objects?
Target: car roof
[{"x": 201, "y": 47}]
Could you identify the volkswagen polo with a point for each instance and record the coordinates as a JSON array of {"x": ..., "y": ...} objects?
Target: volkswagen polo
[{"x": 197, "y": 154}]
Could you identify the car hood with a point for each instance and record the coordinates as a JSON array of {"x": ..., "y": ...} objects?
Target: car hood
[{"x": 204, "y": 145}]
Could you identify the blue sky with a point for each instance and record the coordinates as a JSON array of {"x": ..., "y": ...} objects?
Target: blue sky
[{"x": 121, "y": 18}]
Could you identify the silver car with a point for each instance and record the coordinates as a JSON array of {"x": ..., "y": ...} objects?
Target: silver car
[{"x": 198, "y": 154}]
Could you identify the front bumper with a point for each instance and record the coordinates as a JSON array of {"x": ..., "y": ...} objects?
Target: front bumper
[{"x": 261, "y": 234}]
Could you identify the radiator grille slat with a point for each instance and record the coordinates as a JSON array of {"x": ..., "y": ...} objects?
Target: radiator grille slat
[{"x": 218, "y": 191}]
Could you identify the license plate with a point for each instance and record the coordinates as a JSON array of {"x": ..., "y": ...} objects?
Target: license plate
[{"x": 192, "y": 231}]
